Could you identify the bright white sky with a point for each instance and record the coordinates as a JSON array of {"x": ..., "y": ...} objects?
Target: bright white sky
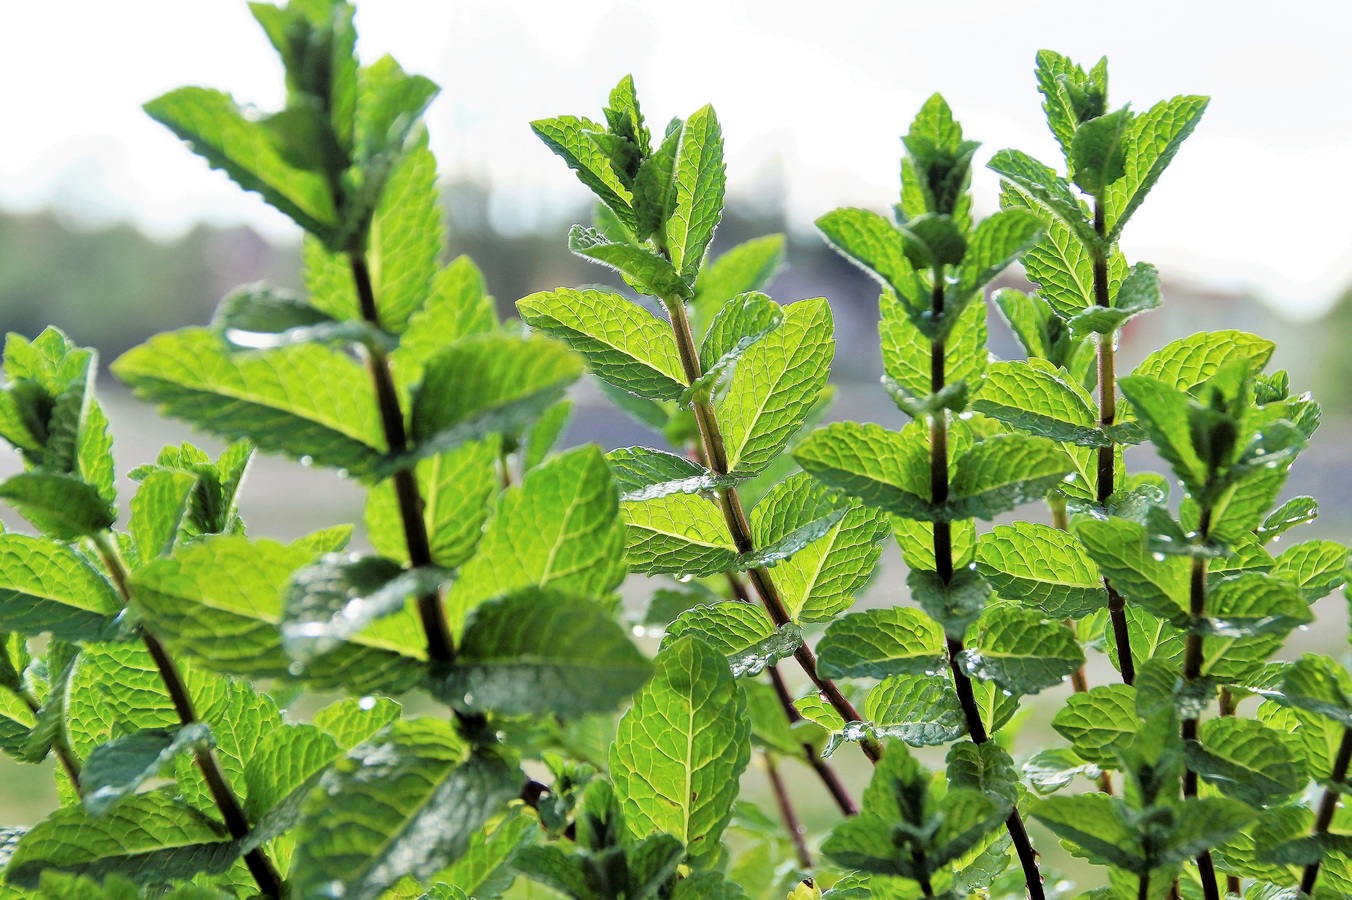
[{"x": 812, "y": 96}]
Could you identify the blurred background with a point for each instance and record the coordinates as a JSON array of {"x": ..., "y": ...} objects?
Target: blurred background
[{"x": 111, "y": 230}]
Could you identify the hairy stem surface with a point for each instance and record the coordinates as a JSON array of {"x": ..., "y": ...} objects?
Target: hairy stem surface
[
  {"x": 440, "y": 646},
  {"x": 260, "y": 866},
  {"x": 1192, "y": 670}
]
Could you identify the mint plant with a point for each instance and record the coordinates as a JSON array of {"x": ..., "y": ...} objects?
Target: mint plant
[{"x": 463, "y": 713}]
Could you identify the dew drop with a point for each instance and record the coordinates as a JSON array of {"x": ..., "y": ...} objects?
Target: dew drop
[
  {"x": 366, "y": 703},
  {"x": 685, "y": 578},
  {"x": 296, "y": 668},
  {"x": 307, "y": 460},
  {"x": 638, "y": 630},
  {"x": 1158, "y": 556},
  {"x": 343, "y": 473}
]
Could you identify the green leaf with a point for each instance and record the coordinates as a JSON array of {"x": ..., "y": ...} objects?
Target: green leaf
[
  {"x": 1318, "y": 684},
  {"x": 406, "y": 240},
  {"x": 1296, "y": 511},
  {"x": 1121, "y": 549},
  {"x": 1253, "y": 604},
  {"x": 408, "y": 802},
  {"x": 157, "y": 511},
  {"x": 1098, "y": 152},
  {"x": 1247, "y": 760},
  {"x": 540, "y": 652},
  {"x": 1163, "y": 411},
  {"x": 1318, "y": 568},
  {"x": 560, "y": 528},
  {"x": 47, "y": 587},
  {"x": 305, "y": 401},
  {"x": 1042, "y": 399},
  {"x": 775, "y": 386},
  {"x": 820, "y": 580},
  {"x": 59, "y": 505},
  {"x": 871, "y": 241},
  {"x": 1048, "y": 771},
  {"x": 749, "y": 266},
  {"x": 1002, "y": 472},
  {"x": 149, "y": 838},
  {"x": 794, "y": 513},
  {"x": 741, "y": 322},
  {"x": 1041, "y": 566},
  {"x": 1201, "y": 824},
  {"x": 623, "y": 343},
  {"x": 985, "y": 768},
  {"x": 572, "y": 139},
  {"x": 217, "y": 130},
  {"x": 457, "y": 306},
  {"x": 457, "y": 489},
  {"x": 1185, "y": 363},
  {"x": 336, "y": 598},
  {"x": 1021, "y": 651},
  {"x": 921, "y": 710},
  {"x": 642, "y": 473},
  {"x": 916, "y": 540},
  {"x": 1151, "y": 143},
  {"x": 487, "y": 383},
  {"x": 1062, "y": 267},
  {"x": 741, "y": 632},
  {"x": 118, "y": 768},
  {"x": 1069, "y": 95},
  {"x": 678, "y": 534},
  {"x": 883, "y": 468},
  {"x": 1099, "y": 723},
  {"x": 699, "y": 180},
  {"x": 487, "y": 867},
  {"x": 881, "y": 642},
  {"x": 1139, "y": 292},
  {"x": 996, "y": 242},
  {"x": 643, "y": 270},
  {"x": 256, "y": 317},
  {"x": 220, "y": 602},
  {"x": 954, "y": 604},
  {"x": 1096, "y": 827},
  {"x": 907, "y": 350},
  {"x": 685, "y": 783},
  {"x": 1046, "y": 193}
]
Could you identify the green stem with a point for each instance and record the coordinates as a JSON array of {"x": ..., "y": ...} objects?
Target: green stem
[
  {"x": 260, "y": 866},
  {"x": 1192, "y": 670},
  {"x": 1328, "y": 805},
  {"x": 786, "y": 812},
  {"x": 440, "y": 644},
  {"x": 740, "y": 529},
  {"x": 943, "y": 565},
  {"x": 1107, "y": 403}
]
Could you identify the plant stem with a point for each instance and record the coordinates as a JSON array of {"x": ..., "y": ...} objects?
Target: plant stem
[
  {"x": 1228, "y": 705},
  {"x": 819, "y": 765},
  {"x": 260, "y": 866},
  {"x": 1192, "y": 670},
  {"x": 786, "y": 812},
  {"x": 440, "y": 645},
  {"x": 943, "y": 565},
  {"x": 1328, "y": 805},
  {"x": 1143, "y": 890},
  {"x": 69, "y": 761},
  {"x": 740, "y": 529},
  {"x": 1107, "y": 403}
]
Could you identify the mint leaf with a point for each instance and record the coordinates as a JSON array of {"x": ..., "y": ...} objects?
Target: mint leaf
[
  {"x": 1040, "y": 398},
  {"x": 1152, "y": 141},
  {"x": 58, "y": 505},
  {"x": 741, "y": 632},
  {"x": 741, "y": 322},
  {"x": 48, "y": 587},
  {"x": 1185, "y": 363},
  {"x": 884, "y": 469},
  {"x": 1099, "y": 723},
  {"x": 1048, "y": 771},
  {"x": 1003, "y": 472},
  {"x": 906, "y": 352},
  {"x": 408, "y": 802},
  {"x": 1046, "y": 193},
  {"x": 1098, "y": 152},
  {"x": 921, "y": 710},
  {"x": 871, "y": 241},
  {"x": 699, "y": 712},
  {"x": 1139, "y": 292},
  {"x": 820, "y": 580},
  {"x": 457, "y": 306},
  {"x": 954, "y": 604},
  {"x": 1296, "y": 511},
  {"x": 623, "y": 343},
  {"x": 749, "y": 266},
  {"x": 1095, "y": 827},
  {"x": 1317, "y": 568},
  {"x": 881, "y": 642},
  {"x": 642, "y": 473},
  {"x": 1121, "y": 549},
  {"x": 216, "y": 129},
  {"x": 1041, "y": 566},
  {"x": 305, "y": 401},
  {"x": 995, "y": 243},
  {"x": 1248, "y": 760},
  {"x": 678, "y": 534},
  {"x": 538, "y": 652},
  {"x": 157, "y": 511},
  {"x": 1021, "y": 651},
  {"x": 1069, "y": 95},
  {"x": 573, "y": 139},
  {"x": 1253, "y": 604},
  {"x": 484, "y": 384},
  {"x": 118, "y": 768},
  {"x": 457, "y": 490},
  {"x": 643, "y": 270},
  {"x": 775, "y": 386},
  {"x": 560, "y": 528},
  {"x": 1062, "y": 266},
  {"x": 699, "y": 180}
]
